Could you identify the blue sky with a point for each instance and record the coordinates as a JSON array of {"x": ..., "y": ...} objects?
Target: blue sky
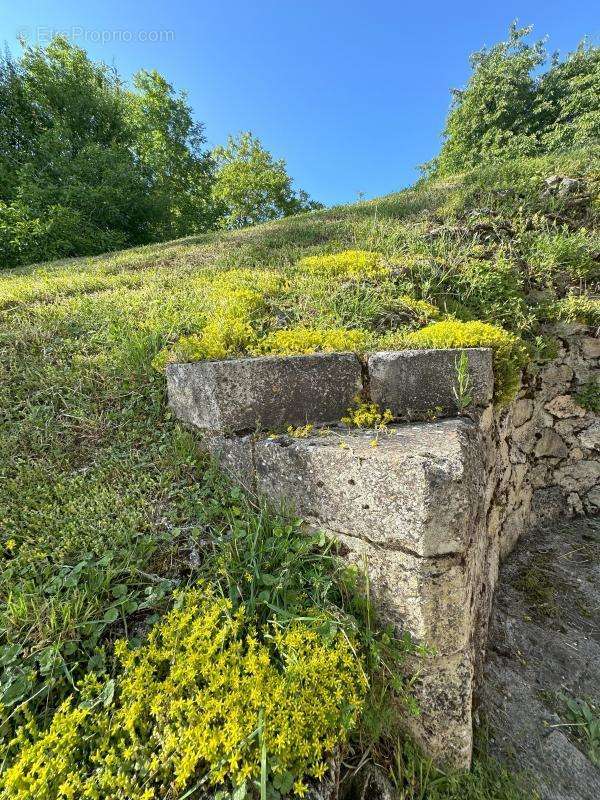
[{"x": 353, "y": 95}]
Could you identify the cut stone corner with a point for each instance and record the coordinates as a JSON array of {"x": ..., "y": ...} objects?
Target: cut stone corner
[{"x": 427, "y": 508}]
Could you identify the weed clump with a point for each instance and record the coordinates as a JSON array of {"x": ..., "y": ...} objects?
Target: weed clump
[
  {"x": 576, "y": 308},
  {"x": 364, "y": 414}
]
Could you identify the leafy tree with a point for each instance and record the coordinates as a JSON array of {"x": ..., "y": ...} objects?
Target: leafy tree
[
  {"x": 252, "y": 187},
  {"x": 70, "y": 182},
  {"x": 569, "y": 100},
  {"x": 169, "y": 143},
  {"x": 493, "y": 114},
  {"x": 508, "y": 109}
]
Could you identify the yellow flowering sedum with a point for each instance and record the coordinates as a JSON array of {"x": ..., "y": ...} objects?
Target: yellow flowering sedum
[
  {"x": 364, "y": 414},
  {"x": 234, "y": 303},
  {"x": 293, "y": 341},
  {"x": 355, "y": 264},
  {"x": 187, "y": 707}
]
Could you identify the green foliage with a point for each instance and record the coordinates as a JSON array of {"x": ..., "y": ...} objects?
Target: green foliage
[
  {"x": 87, "y": 165},
  {"x": 166, "y": 722},
  {"x": 509, "y": 109},
  {"x": 510, "y": 355},
  {"x": 589, "y": 396},
  {"x": 556, "y": 259},
  {"x": 416, "y": 778},
  {"x": 251, "y": 186},
  {"x": 584, "y": 723},
  {"x": 576, "y": 308},
  {"x": 68, "y": 172},
  {"x": 169, "y": 144}
]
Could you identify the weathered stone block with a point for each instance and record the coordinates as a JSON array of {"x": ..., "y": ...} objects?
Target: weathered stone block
[
  {"x": 579, "y": 476},
  {"x": 564, "y": 406},
  {"x": 269, "y": 393},
  {"x": 551, "y": 445},
  {"x": 235, "y": 456},
  {"x": 414, "y": 490},
  {"x": 590, "y": 437},
  {"x": 590, "y": 347},
  {"x": 428, "y": 597},
  {"x": 408, "y": 381},
  {"x": 444, "y": 692},
  {"x": 522, "y": 411}
]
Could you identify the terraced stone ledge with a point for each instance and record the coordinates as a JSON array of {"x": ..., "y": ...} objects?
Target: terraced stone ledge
[{"x": 428, "y": 510}]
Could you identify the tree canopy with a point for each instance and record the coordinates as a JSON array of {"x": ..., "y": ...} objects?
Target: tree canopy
[
  {"x": 252, "y": 186},
  {"x": 88, "y": 164},
  {"x": 511, "y": 107}
]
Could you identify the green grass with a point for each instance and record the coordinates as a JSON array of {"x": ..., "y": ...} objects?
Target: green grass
[
  {"x": 103, "y": 497},
  {"x": 416, "y": 778}
]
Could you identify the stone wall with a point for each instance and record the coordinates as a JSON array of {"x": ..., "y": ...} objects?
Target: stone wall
[
  {"x": 548, "y": 447},
  {"x": 428, "y": 506}
]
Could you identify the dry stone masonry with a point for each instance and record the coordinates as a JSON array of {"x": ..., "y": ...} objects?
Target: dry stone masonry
[{"x": 427, "y": 506}]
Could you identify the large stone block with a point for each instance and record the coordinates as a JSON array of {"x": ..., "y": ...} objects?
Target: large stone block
[
  {"x": 430, "y": 598},
  {"x": 444, "y": 692},
  {"x": 415, "y": 381},
  {"x": 414, "y": 490},
  {"x": 266, "y": 393}
]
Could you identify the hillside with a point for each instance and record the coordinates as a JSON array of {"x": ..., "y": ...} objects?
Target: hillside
[{"x": 105, "y": 506}]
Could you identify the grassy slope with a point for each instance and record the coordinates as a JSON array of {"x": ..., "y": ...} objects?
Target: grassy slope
[{"x": 101, "y": 494}]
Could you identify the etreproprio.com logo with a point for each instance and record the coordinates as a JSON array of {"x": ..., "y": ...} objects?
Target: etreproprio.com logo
[{"x": 42, "y": 34}]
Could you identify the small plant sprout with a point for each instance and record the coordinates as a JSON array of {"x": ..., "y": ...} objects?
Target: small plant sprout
[
  {"x": 463, "y": 390},
  {"x": 301, "y": 432},
  {"x": 365, "y": 414}
]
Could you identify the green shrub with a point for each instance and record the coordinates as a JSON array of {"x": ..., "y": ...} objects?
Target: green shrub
[
  {"x": 197, "y": 704},
  {"x": 576, "y": 308},
  {"x": 510, "y": 354}
]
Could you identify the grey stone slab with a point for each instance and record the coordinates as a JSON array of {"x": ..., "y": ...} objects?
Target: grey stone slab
[
  {"x": 415, "y": 489},
  {"x": 235, "y": 456},
  {"x": 545, "y": 642},
  {"x": 415, "y": 381},
  {"x": 267, "y": 393}
]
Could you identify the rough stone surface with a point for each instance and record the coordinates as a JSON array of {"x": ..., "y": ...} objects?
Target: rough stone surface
[
  {"x": 413, "y": 381},
  {"x": 413, "y": 490},
  {"x": 545, "y": 640},
  {"x": 235, "y": 456},
  {"x": 429, "y": 508},
  {"x": 268, "y": 393},
  {"x": 590, "y": 347},
  {"x": 522, "y": 411},
  {"x": 564, "y": 406},
  {"x": 590, "y": 437},
  {"x": 551, "y": 445},
  {"x": 546, "y": 445}
]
